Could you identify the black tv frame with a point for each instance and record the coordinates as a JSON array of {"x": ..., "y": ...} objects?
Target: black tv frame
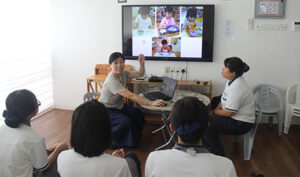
[{"x": 208, "y": 35}]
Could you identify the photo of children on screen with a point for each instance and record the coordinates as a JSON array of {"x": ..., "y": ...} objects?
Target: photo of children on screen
[
  {"x": 192, "y": 18},
  {"x": 143, "y": 19},
  {"x": 166, "y": 47},
  {"x": 167, "y": 20}
]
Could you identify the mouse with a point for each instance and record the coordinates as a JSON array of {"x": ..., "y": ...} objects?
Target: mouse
[{"x": 198, "y": 82}]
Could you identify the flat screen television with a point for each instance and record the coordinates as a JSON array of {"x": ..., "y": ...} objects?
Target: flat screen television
[{"x": 168, "y": 32}]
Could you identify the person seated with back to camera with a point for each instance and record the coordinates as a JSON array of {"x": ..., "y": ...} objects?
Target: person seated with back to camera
[
  {"x": 126, "y": 121},
  {"x": 189, "y": 119},
  {"x": 90, "y": 137},
  {"x": 235, "y": 112},
  {"x": 23, "y": 151}
]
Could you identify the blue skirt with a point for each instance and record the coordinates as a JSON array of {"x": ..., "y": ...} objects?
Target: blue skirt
[{"x": 127, "y": 125}]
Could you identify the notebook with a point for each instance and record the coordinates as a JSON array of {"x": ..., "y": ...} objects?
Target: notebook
[{"x": 166, "y": 91}]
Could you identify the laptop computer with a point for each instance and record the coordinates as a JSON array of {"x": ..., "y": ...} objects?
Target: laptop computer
[{"x": 166, "y": 91}]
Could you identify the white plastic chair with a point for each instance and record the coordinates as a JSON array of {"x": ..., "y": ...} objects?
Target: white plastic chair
[
  {"x": 265, "y": 97},
  {"x": 165, "y": 119},
  {"x": 90, "y": 95},
  {"x": 292, "y": 105},
  {"x": 249, "y": 137}
]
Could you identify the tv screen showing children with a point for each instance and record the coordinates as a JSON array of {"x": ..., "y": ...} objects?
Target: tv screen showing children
[{"x": 168, "y": 32}]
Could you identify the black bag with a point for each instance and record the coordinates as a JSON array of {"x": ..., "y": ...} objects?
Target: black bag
[{"x": 215, "y": 101}]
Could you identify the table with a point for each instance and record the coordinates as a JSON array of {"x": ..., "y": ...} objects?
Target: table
[
  {"x": 146, "y": 32},
  {"x": 97, "y": 80},
  {"x": 177, "y": 95},
  {"x": 167, "y": 34},
  {"x": 95, "y": 84},
  {"x": 165, "y": 111},
  {"x": 161, "y": 54}
]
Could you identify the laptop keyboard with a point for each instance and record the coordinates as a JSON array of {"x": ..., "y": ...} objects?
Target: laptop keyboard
[{"x": 156, "y": 95}]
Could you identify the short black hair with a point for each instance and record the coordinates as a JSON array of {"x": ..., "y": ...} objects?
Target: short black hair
[
  {"x": 169, "y": 9},
  {"x": 144, "y": 10},
  {"x": 91, "y": 131},
  {"x": 191, "y": 13},
  {"x": 114, "y": 56},
  {"x": 164, "y": 41},
  {"x": 235, "y": 64},
  {"x": 189, "y": 110},
  {"x": 19, "y": 104}
]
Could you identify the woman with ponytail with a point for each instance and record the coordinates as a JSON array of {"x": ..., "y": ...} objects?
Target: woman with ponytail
[
  {"x": 235, "y": 113},
  {"x": 23, "y": 151},
  {"x": 189, "y": 120}
]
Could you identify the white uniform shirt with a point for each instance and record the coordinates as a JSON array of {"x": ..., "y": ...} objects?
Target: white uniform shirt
[
  {"x": 112, "y": 86},
  {"x": 238, "y": 98},
  {"x": 143, "y": 24},
  {"x": 21, "y": 150},
  {"x": 167, "y": 22},
  {"x": 176, "y": 163},
  {"x": 71, "y": 163}
]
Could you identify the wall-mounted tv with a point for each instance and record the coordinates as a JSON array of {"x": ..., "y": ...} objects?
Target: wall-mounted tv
[{"x": 168, "y": 32}]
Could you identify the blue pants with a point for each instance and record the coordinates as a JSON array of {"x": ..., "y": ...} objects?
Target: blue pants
[
  {"x": 127, "y": 125},
  {"x": 222, "y": 125}
]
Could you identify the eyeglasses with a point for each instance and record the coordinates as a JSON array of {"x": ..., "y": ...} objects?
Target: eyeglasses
[{"x": 38, "y": 103}]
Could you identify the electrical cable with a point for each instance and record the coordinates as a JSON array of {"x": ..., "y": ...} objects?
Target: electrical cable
[{"x": 186, "y": 66}]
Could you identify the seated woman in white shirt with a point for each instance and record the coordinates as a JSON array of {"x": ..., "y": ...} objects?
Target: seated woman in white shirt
[
  {"x": 235, "y": 114},
  {"x": 189, "y": 119},
  {"x": 23, "y": 151},
  {"x": 90, "y": 137}
]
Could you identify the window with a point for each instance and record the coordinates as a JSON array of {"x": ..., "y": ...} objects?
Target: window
[{"x": 25, "y": 50}]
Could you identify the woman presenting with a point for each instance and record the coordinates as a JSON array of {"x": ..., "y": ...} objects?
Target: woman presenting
[
  {"x": 126, "y": 121},
  {"x": 235, "y": 114}
]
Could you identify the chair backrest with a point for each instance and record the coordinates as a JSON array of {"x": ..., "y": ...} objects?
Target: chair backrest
[
  {"x": 293, "y": 94},
  {"x": 105, "y": 68},
  {"x": 265, "y": 92},
  {"x": 298, "y": 94},
  {"x": 257, "y": 118},
  {"x": 91, "y": 95}
]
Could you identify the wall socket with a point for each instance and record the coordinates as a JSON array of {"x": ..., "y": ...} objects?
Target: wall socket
[
  {"x": 167, "y": 69},
  {"x": 178, "y": 69}
]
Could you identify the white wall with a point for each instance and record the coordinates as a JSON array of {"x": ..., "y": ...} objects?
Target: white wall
[{"x": 86, "y": 32}]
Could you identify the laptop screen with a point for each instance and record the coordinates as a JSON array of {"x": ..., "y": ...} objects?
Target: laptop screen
[{"x": 168, "y": 86}]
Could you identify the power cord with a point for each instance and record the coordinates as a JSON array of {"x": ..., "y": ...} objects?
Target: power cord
[
  {"x": 172, "y": 73},
  {"x": 177, "y": 74},
  {"x": 182, "y": 73},
  {"x": 186, "y": 66}
]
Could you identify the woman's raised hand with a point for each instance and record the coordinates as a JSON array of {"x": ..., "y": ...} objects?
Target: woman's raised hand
[{"x": 142, "y": 59}]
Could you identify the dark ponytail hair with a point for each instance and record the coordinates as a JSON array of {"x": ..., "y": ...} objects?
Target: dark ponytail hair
[
  {"x": 236, "y": 65},
  {"x": 19, "y": 104},
  {"x": 189, "y": 117}
]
